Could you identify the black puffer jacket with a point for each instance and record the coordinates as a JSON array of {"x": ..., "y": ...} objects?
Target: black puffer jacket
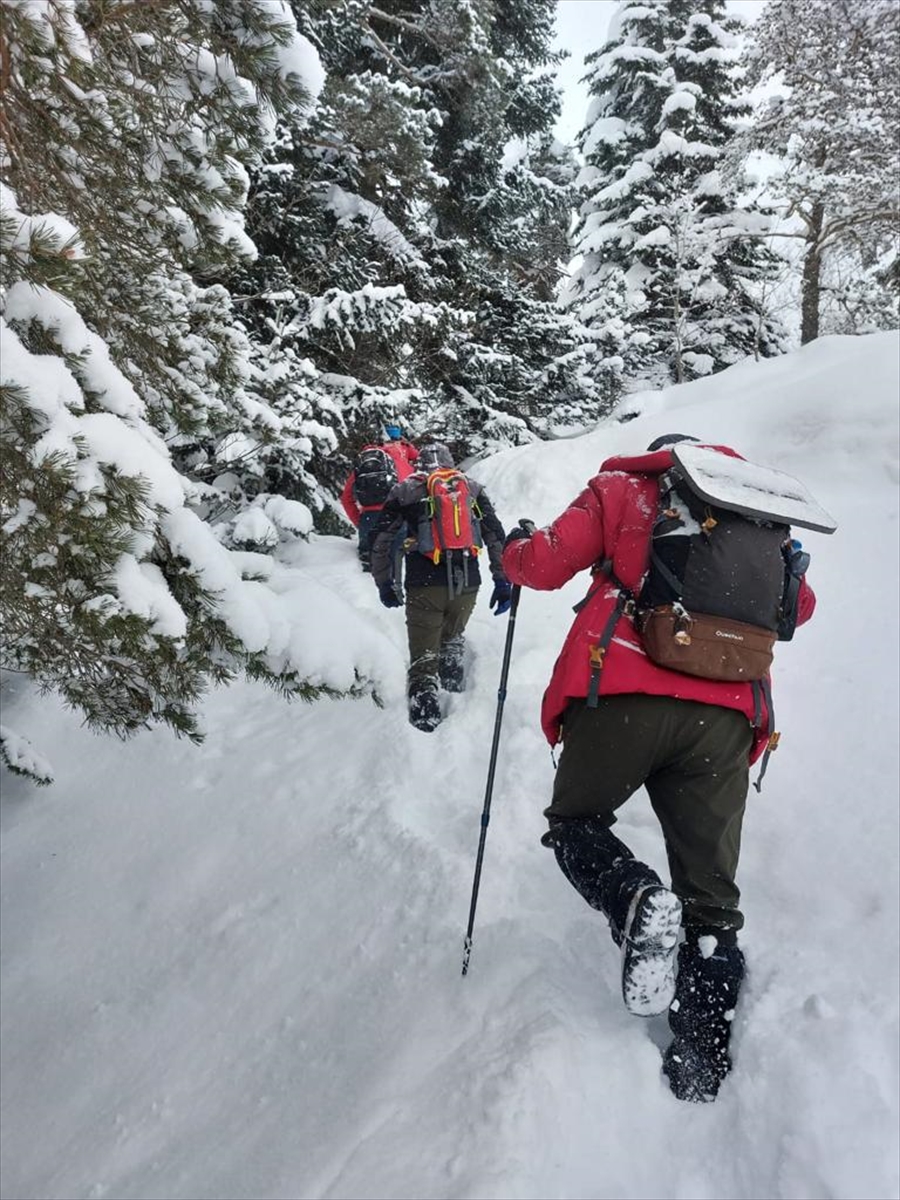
[{"x": 397, "y": 530}]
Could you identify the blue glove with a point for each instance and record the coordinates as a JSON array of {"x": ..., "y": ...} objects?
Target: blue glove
[
  {"x": 501, "y": 596},
  {"x": 387, "y": 594}
]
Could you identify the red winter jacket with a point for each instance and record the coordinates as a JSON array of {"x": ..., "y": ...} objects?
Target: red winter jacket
[
  {"x": 613, "y": 519},
  {"x": 404, "y": 455}
]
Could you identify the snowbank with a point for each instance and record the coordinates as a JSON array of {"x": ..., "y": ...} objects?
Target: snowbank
[{"x": 234, "y": 971}]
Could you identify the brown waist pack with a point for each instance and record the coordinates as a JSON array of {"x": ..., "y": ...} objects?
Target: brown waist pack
[{"x": 711, "y": 647}]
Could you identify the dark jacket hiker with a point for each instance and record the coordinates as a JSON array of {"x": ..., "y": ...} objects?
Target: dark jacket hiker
[
  {"x": 441, "y": 519},
  {"x": 625, "y": 721},
  {"x": 376, "y": 469}
]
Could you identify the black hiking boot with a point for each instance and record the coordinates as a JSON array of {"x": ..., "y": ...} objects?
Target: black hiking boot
[
  {"x": 424, "y": 710},
  {"x": 644, "y": 915},
  {"x": 706, "y": 994},
  {"x": 451, "y": 665}
]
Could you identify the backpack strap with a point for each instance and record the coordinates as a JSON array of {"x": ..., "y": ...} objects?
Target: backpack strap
[
  {"x": 667, "y": 483},
  {"x": 599, "y": 648},
  {"x": 756, "y": 691},
  {"x": 624, "y": 602},
  {"x": 671, "y": 579},
  {"x": 764, "y": 686}
]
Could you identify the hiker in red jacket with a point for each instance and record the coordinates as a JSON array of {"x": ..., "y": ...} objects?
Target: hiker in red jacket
[
  {"x": 375, "y": 471},
  {"x": 625, "y": 722}
]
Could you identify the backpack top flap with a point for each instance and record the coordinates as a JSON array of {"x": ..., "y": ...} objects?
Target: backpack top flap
[
  {"x": 376, "y": 474},
  {"x": 745, "y": 487}
]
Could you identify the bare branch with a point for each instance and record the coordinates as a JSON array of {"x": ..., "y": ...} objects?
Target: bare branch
[{"x": 391, "y": 57}]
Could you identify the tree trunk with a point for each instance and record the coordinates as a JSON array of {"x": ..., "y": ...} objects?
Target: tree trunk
[
  {"x": 812, "y": 277},
  {"x": 676, "y": 321}
]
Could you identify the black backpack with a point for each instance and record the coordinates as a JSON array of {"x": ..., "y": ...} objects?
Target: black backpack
[
  {"x": 714, "y": 601},
  {"x": 376, "y": 474}
]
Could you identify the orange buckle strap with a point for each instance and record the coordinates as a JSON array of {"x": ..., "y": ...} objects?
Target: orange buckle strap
[
  {"x": 771, "y": 744},
  {"x": 596, "y": 652}
]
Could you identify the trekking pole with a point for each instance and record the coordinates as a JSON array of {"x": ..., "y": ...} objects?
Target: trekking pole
[{"x": 486, "y": 811}]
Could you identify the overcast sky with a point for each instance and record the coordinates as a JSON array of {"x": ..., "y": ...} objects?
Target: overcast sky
[{"x": 581, "y": 27}]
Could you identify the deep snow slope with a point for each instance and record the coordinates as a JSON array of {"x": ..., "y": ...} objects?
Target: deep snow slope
[{"x": 234, "y": 971}]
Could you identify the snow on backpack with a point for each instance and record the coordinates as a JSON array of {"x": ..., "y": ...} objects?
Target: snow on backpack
[
  {"x": 450, "y": 518},
  {"x": 375, "y": 475}
]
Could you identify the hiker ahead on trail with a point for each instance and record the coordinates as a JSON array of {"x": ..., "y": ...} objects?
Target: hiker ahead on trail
[
  {"x": 376, "y": 469},
  {"x": 650, "y": 689},
  {"x": 442, "y": 519}
]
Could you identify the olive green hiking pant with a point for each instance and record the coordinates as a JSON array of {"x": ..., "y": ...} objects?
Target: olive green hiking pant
[
  {"x": 693, "y": 760},
  {"x": 434, "y": 619}
]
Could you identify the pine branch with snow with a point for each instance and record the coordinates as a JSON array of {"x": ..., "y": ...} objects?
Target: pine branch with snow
[{"x": 127, "y": 379}]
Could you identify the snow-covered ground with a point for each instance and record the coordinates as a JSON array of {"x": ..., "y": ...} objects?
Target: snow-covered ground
[{"x": 234, "y": 971}]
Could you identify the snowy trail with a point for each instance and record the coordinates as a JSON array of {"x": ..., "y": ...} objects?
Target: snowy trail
[{"x": 235, "y": 971}]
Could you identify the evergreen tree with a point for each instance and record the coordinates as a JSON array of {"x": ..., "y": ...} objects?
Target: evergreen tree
[
  {"x": 126, "y": 130},
  {"x": 666, "y": 268},
  {"x": 341, "y": 298},
  {"x": 409, "y": 252},
  {"x": 501, "y": 223},
  {"x": 835, "y": 124}
]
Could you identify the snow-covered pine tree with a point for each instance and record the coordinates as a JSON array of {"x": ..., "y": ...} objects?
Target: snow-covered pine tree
[
  {"x": 835, "y": 124},
  {"x": 125, "y": 131},
  {"x": 501, "y": 224},
  {"x": 665, "y": 267},
  {"x": 408, "y": 252},
  {"x": 340, "y": 299}
]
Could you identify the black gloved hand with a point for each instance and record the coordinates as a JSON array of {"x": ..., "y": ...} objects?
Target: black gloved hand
[
  {"x": 387, "y": 594},
  {"x": 795, "y": 557},
  {"x": 501, "y": 596},
  {"x": 524, "y": 529}
]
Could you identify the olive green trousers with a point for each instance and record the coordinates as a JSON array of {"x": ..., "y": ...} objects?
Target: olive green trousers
[
  {"x": 693, "y": 760},
  {"x": 434, "y": 618}
]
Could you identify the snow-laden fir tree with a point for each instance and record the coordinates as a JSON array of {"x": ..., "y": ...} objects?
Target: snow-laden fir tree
[
  {"x": 408, "y": 251},
  {"x": 126, "y": 131},
  {"x": 340, "y": 299},
  {"x": 501, "y": 223},
  {"x": 834, "y": 124},
  {"x": 665, "y": 267}
]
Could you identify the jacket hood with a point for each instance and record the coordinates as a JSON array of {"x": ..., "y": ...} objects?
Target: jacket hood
[{"x": 434, "y": 456}]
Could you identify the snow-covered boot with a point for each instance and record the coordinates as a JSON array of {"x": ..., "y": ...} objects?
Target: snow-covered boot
[
  {"x": 450, "y": 664},
  {"x": 649, "y": 939},
  {"x": 424, "y": 710},
  {"x": 644, "y": 915},
  {"x": 706, "y": 993}
]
